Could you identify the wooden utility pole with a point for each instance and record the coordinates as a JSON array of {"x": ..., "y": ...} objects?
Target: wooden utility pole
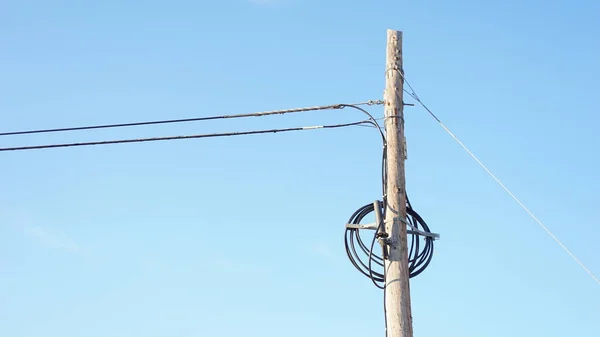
[{"x": 397, "y": 287}]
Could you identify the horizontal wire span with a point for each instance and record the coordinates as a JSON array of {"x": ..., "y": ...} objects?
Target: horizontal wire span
[
  {"x": 198, "y": 136},
  {"x": 196, "y": 119}
]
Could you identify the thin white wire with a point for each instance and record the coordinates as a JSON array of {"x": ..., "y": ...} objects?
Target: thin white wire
[{"x": 414, "y": 95}]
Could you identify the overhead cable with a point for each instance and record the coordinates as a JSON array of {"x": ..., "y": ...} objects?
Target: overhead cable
[
  {"x": 207, "y": 135},
  {"x": 414, "y": 95},
  {"x": 195, "y": 119}
]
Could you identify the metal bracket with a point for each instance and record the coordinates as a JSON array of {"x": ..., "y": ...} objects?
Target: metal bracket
[
  {"x": 373, "y": 226},
  {"x": 434, "y": 236},
  {"x": 383, "y": 236}
]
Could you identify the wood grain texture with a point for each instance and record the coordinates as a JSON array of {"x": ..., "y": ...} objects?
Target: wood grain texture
[{"x": 397, "y": 297}]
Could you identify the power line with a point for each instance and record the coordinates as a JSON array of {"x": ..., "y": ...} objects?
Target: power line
[
  {"x": 196, "y": 119},
  {"x": 208, "y": 135},
  {"x": 414, "y": 95}
]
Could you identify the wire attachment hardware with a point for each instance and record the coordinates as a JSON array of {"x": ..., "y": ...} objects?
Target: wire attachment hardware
[{"x": 413, "y": 230}]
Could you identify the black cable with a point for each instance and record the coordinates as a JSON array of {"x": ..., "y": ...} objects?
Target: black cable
[
  {"x": 371, "y": 118},
  {"x": 376, "y": 278},
  {"x": 209, "y": 135},
  {"x": 196, "y": 119},
  {"x": 419, "y": 256},
  {"x": 184, "y": 120}
]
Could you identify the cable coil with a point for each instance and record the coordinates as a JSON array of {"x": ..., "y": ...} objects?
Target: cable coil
[{"x": 369, "y": 263}]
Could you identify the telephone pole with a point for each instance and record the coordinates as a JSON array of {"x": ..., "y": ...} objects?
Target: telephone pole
[{"x": 397, "y": 288}]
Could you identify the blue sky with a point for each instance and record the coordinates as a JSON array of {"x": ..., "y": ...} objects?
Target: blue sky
[{"x": 244, "y": 236}]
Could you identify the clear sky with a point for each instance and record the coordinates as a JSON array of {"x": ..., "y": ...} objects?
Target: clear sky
[{"x": 244, "y": 236}]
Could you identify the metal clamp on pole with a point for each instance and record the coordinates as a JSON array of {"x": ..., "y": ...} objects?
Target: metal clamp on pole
[
  {"x": 375, "y": 226},
  {"x": 434, "y": 236},
  {"x": 381, "y": 235}
]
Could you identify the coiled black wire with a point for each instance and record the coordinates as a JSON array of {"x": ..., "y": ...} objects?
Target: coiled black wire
[
  {"x": 364, "y": 258},
  {"x": 369, "y": 263},
  {"x": 419, "y": 255}
]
